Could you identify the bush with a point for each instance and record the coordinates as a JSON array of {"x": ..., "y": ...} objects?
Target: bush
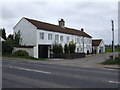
[
  {"x": 21, "y": 53},
  {"x": 57, "y": 48},
  {"x": 66, "y": 48},
  {"x": 72, "y": 47},
  {"x": 7, "y": 47}
]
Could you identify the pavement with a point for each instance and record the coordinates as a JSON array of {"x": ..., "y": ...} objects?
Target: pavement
[{"x": 93, "y": 60}]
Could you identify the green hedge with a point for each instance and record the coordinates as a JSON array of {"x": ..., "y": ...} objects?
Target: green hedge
[{"x": 21, "y": 53}]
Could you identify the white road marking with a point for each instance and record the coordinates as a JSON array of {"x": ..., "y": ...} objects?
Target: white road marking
[
  {"x": 30, "y": 70},
  {"x": 114, "y": 82},
  {"x": 111, "y": 69}
]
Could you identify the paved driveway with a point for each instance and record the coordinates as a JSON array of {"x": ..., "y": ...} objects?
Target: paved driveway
[{"x": 89, "y": 61}]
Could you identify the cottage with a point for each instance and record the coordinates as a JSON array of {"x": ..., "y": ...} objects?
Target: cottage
[
  {"x": 40, "y": 36},
  {"x": 98, "y": 46}
]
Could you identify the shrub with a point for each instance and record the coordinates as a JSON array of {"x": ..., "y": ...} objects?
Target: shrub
[
  {"x": 21, "y": 53},
  {"x": 66, "y": 48},
  {"x": 72, "y": 47},
  {"x": 57, "y": 48},
  {"x": 7, "y": 47}
]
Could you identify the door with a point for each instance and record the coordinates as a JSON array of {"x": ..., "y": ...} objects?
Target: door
[
  {"x": 101, "y": 49},
  {"x": 43, "y": 51}
]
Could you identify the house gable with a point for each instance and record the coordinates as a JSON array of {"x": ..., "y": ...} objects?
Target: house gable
[{"x": 27, "y": 31}]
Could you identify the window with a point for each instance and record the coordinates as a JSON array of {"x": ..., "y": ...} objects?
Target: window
[
  {"x": 41, "y": 35},
  {"x": 67, "y": 39},
  {"x": 77, "y": 40},
  {"x": 77, "y": 49},
  {"x": 49, "y": 36},
  {"x": 61, "y": 38},
  {"x": 57, "y": 38}
]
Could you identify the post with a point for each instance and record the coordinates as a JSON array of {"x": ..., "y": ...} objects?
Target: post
[{"x": 113, "y": 47}]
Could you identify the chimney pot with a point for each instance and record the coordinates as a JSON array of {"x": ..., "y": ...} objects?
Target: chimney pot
[
  {"x": 82, "y": 29},
  {"x": 62, "y": 23}
]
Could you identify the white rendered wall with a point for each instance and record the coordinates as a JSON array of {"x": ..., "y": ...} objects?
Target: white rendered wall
[
  {"x": 29, "y": 50},
  {"x": 45, "y": 41},
  {"x": 28, "y": 32}
]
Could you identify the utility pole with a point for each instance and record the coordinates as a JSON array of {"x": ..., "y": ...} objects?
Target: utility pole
[{"x": 113, "y": 47}]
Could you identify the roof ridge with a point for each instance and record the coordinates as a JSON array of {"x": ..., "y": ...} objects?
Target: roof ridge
[{"x": 56, "y": 28}]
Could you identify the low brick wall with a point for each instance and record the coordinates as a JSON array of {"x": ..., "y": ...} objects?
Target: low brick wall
[{"x": 69, "y": 56}]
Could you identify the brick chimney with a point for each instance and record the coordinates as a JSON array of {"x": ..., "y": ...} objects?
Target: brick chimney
[
  {"x": 82, "y": 29},
  {"x": 62, "y": 23}
]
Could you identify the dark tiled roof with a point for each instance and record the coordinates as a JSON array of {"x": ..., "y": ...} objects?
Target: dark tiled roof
[
  {"x": 56, "y": 28},
  {"x": 96, "y": 42}
]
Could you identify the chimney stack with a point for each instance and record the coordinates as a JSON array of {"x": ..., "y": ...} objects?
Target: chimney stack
[
  {"x": 62, "y": 23},
  {"x": 82, "y": 29}
]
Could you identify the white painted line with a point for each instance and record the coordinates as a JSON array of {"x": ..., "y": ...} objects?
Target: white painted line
[
  {"x": 111, "y": 69},
  {"x": 30, "y": 70},
  {"x": 114, "y": 82}
]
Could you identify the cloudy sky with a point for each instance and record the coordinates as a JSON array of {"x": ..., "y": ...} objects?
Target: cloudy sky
[{"x": 94, "y": 17}]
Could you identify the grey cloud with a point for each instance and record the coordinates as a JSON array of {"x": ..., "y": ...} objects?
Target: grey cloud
[{"x": 94, "y": 17}]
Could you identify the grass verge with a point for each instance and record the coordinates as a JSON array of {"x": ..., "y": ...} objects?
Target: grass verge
[
  {"x": 111, "y": 61},
  {"x": 23, "y": 57}
]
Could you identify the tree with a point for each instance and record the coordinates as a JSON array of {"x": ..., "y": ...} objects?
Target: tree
[
  {"x": 66, "y": 48},
  {"x": 72, "y": 47},
  {"x": 10, "y": 36},
  {"x": 7, "y": 46},
  {"x": 3, "y": 33},
  {"x": 17, "y": 38},
  {"x": 57, "y": 48}
]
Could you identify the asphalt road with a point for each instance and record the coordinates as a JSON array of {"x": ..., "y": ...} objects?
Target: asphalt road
[{"x": 19, "y": 73}]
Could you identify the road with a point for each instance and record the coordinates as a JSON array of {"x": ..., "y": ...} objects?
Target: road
[{"x": 18, "y": 73}]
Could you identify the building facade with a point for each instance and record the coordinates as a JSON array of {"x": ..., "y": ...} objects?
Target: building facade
[
  {"x": 42, "y": 36},
  {"x": 98, "y": 46}
]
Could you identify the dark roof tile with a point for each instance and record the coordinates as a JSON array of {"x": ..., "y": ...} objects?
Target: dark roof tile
[
  {"x": 96, "y": 42},
  {"x": 56, "y": 28}
]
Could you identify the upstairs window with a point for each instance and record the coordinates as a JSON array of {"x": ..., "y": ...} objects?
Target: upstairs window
[
  {"x": 49, "y": 36},
  {"x": 61, "y": 38},
  {"x": 57, "y": 38},
  {"x": 77, "y": 40},
  {"x": 41, "y": 35},
  {"x": 67, "y": 39}
]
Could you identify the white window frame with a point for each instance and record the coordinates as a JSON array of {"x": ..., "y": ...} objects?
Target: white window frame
[
  {"x": 57, "y": 37},
  {"x": 61, "y": 38},
  {"x": 41, "y": 35},
  {"x": 67, "y": 39},
  {"x": 49, "y": 36}
]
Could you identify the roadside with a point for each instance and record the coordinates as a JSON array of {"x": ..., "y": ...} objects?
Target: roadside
[{"x": 89, "y": 61}]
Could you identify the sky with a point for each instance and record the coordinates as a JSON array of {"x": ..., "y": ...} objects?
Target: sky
[{"x": 94, "y": 16}]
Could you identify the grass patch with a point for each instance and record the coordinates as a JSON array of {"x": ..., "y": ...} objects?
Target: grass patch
[
  {"x": 112, "y": 61},
  {"x": 110, "y": 49},
  {"x": 24, "y": 57}
]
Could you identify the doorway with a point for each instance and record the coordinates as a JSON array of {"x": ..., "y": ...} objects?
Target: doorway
[{"x": 43, "y": 51}]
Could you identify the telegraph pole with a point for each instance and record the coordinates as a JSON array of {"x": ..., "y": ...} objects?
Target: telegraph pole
[{"x": 113, "y": 47}]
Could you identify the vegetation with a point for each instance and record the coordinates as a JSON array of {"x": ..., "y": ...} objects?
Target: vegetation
[
  {"x": 110, "y": 49},
  {"x": 21, "y": 53},
  {"x": 110, "y": 61},
  {"x": 72, "y": 47},
  {"x": 2, "y": 31},
  {"x": 66, "y": 48},
  {"x": 7, "y": 46},
  {"x": 24, "y": 57},
  {"x": 57, "y": 48}
]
